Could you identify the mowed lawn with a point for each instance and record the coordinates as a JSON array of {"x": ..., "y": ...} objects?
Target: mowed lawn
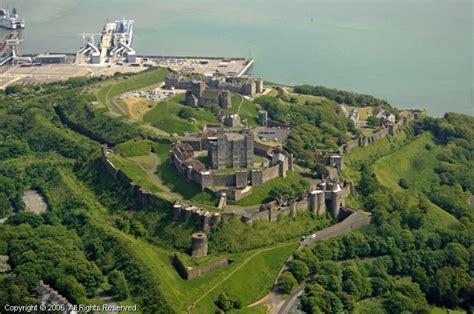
[
  {"x": 415, "y": 163},
  {"x": 135, "y": 172},
  {"x": 134, "y": 148},
  {"x": 261, "y": 194},
  {"x": 248, "y": 110},
  {"x": 164, "y": 116}
]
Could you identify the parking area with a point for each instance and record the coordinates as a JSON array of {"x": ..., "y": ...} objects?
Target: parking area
[
  {"x": 273, "y": 134},
  {"x": 227, "y": 66}
]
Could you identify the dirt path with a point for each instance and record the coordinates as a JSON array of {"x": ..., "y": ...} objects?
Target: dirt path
[
  {"x": 241, "y": 102},
  {"x": 151, "y": 172}
]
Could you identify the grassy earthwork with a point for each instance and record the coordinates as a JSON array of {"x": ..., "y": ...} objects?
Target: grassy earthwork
[{"x": 164, "y": 116}]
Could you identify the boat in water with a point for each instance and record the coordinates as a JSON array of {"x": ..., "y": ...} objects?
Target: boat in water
[{"x": 11, "y": 20}]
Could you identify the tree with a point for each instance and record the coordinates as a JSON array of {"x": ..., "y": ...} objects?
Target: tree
[
  {"x": 419, "y": 276},
  {"x": 446, "y": 286},
  {"x": 68, "y": 286},
  {"x": 347, "y": 301},
  {"x": 119, "y": 285},
  {"x": 185, "y": 113},
  {"x": 457, "y": 255},
  {"x": 4, "y": 205},
  {"x": 137, "y": 229},
  {"x": 380, "y": 285},
  {"x": 373, "y": 121},
  {"x": 227, "y": 302},
  {"x": 299, "y": 270},
  {"x": 287, "y": 282},
  {"x": 403, "y": 183},
  {"x": 319, "y": 170}
]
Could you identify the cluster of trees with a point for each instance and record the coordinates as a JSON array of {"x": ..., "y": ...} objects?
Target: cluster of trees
[
  {"x": 130, "y": 225},
  {"x": 455, "y": 132},
  {"x": 289, "y": 190},
  {"x": 77, "y": 109},
  {"x": 49, "y": 253},
  {"x": 342, "y": 97},
  {"x": 402, "y": 260},
  {"x": 68, "y": 247},
  {"x": 316, "y": 126}
]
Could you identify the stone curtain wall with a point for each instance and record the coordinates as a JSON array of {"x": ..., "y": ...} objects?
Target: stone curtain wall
[{"x": 364, "y": 140}]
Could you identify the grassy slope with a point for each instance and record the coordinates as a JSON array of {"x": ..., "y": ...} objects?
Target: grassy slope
[
  {"x": 370, "y": 153},
  {"x": 134, "y": 148},
  {"x": 189, "y": 190},
  {"x": 248, "y": 110},
  {"x": 260, "y": 193},
  {"x": 136, "y": 173},
  {"x": 138, "y": 81},
  {"x": 165, "y": 117},
  {"x": 415, "y": 163},
  {"x": 250, "y": 280},
  {"x": 263, "y": 264}
]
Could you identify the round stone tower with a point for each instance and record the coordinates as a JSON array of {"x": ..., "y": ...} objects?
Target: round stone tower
[{"x": 199, "y": 244}]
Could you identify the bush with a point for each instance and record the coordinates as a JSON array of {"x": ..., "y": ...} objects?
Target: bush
[
  {"x": 227, "y": 302},
  {"x": 299, "y": 270},
  {"x": 119, "y": 285},
  {"x": 185, "y": 113},
  {"x": 23, "y": 217},
  {"x": 403, "y": 183}
]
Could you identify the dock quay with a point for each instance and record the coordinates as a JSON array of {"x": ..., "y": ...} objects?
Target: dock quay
[{"x": 64, "y": 66}]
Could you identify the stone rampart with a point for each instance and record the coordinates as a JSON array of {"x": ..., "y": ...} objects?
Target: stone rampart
[
  {"x": 365, "y": 140},
  {"x": 194, "y": 272},
  {"x": 144, "y": 197}
]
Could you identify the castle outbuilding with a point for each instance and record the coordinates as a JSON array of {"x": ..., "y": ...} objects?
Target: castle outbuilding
[
  {"x": 199, "y": 244},
  {"x": 328, "y": 196}
]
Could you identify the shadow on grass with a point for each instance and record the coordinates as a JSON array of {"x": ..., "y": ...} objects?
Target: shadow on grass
[{"x": 189, "y": 190}]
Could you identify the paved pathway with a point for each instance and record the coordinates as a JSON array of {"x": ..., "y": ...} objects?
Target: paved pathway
[
  {"x": 276, "y": 299},
  {"x": 109, "y": 300}
]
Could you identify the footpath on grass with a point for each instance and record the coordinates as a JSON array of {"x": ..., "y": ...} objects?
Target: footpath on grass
[{"x": 232, "y": 273}]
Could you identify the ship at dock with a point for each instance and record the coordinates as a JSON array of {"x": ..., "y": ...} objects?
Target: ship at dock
[
  {"x": 11, "y": 20},
  {"x": 114, "y": 45}
]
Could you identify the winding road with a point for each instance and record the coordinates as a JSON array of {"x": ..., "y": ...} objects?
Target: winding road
[{"x": 280, "y": 305}]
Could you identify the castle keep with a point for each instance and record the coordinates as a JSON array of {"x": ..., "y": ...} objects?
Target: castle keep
[{"x": 231, "y": 150}]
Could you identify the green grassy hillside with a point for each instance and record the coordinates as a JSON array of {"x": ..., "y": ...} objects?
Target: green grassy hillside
[
  {"x": 144, "y": 79},
  {"x": 165, "y": 117},
  {"x": 415, "y": 163}
]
